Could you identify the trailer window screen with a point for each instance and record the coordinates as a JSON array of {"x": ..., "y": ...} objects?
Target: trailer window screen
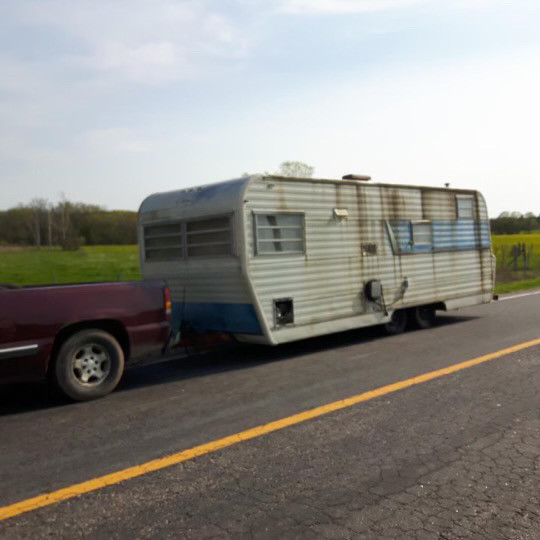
[
  {"x": 163, "y": 242},
  {"x": 421, "y": 234},
  {"x": 209, "y": 237},
  {"x": 465, "y": 206},
  {"x": 279, "y": 233}
]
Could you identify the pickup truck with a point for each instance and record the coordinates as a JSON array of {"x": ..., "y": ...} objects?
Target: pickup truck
[{"x": 81, "y": 336}]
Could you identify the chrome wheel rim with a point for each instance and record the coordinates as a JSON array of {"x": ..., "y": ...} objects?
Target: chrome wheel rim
[{"x": 91, "y": 364}]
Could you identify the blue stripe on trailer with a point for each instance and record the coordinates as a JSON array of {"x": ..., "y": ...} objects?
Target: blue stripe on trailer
[
  {"x": 461, "y": 234},
  {"x": 216, "y": 317}
]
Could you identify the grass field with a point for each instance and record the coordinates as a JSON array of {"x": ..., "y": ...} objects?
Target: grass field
[
  {"x": 509, "y": 279},
  {"x": 500, "y": 240},
  {"x": 30, "y": 266}
]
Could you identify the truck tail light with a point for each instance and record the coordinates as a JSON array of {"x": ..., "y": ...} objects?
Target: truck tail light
[{"x": 168, "y": 303}]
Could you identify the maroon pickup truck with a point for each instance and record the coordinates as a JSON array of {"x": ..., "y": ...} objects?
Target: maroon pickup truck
[{"x": 80, "y": 336}]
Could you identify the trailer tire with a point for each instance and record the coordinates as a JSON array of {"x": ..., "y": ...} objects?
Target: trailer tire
[
  {"x": 89, "y": 365},
  {"x": 397, "y": 323},
  {"x": 423, "y": 317}
]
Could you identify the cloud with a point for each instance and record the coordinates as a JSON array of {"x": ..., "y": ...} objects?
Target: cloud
[
  {"x": 344, "y": 6},
  {"x": 139, "y": 41},
  {"x": 338, "y": 7},
  {"x": 151, "y": 63}
]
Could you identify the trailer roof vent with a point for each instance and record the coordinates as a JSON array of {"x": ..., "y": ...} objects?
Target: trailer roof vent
[{"x": 361, "y": 177}]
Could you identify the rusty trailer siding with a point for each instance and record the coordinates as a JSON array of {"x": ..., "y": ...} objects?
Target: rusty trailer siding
[
  {"x": 209, "y": 293},
  {"x": 351, "y": 232},
  {"x": 326, "y": 282}
]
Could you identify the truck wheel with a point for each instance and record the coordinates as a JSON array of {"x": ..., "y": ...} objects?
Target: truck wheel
[
  {"x": 423, "y": 317},
  {"x": 397, "y": 323},
  {"x": 89, "y": 365}
]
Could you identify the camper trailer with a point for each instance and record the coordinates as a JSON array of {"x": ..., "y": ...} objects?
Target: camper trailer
[{"x": 271, "y": 259}]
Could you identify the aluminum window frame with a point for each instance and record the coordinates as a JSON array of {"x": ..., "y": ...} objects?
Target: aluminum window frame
[
  {"x": 422, "y": 223},
  {"x": 184, "y": 238},
  {"x": 146, "y": 248},
  {"x": 229, "y": 229},
  {"x": 465, "y": 197},
  {"x": 257, "y": 240}
]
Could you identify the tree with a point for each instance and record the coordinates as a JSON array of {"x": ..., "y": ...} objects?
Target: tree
[
  {"x": 62, "y": 223},
  {"x": 296, "y": 169},
  {"x": 36, "y": 221},
  {"x": 514, "y": 222}
]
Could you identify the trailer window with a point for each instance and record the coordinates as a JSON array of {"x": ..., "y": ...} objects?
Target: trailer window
[
  {"x": 279, "y": 233},
  {"x": 163, "y": 242},
  {"x": 197, "y": 238},
  {"x": 421, "y": 234},
  {"x": 465, "y": 206},
  {"x": 209, "y": 237}
]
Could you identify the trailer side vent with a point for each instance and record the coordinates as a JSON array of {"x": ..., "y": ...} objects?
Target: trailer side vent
[
  {"x": 283, "y": 311},
  {"x": 368, "y": 249}
]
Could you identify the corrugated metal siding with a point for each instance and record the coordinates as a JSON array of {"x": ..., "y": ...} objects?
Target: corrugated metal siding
[
  {"x": 217, "y": 281},
  {"x": 214, "y": 280},
  {"x": 482, "y": 208},
  {"x": 193, "y": 202},
  {"x": 438, "y": 204},
  {"x": 400, "y": 203},
  {"x": 327, "y": 282}
]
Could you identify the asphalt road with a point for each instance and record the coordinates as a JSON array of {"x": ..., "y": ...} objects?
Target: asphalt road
[{"x": 455, "y": 457}]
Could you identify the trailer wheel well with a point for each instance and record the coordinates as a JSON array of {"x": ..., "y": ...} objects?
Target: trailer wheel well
[
  {"x": 113, "y": 327},
  {"x": 437, "y": 306}
]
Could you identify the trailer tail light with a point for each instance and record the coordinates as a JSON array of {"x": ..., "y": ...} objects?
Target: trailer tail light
[{"x": 168, "y": 303}]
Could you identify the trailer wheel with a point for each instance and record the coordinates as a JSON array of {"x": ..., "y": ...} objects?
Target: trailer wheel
[
  {"x": 423, "y": 317},
  {"x": 397, "y": 323},
  {"x": 89, "y": 365}
]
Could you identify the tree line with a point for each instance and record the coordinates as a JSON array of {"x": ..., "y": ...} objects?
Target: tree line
[
  {"x": 515, "y": 223},
  {"x": 66, "y": 224},
  {"x": 71, "y": 225}
]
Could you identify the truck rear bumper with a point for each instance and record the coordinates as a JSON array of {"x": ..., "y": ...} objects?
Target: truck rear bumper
[{"x": 148, "y": 338}]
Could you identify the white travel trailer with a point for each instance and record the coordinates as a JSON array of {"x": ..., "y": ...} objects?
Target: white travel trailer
[{"x": 273, "y": 259}]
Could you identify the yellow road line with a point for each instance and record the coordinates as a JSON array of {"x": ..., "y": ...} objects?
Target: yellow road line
[{"x": 131, "y": 472}]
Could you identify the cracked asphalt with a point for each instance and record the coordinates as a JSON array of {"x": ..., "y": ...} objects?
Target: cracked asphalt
[{"x": 453, "y": 458}]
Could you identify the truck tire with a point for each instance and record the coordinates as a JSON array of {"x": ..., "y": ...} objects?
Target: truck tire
[
  {"x": 423, "y": 317},
  {"x": 397, "y": 323},
  {"x": 88, "y": 365}
]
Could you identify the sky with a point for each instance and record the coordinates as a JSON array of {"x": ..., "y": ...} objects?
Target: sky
[{"x": 106, "y": 102}]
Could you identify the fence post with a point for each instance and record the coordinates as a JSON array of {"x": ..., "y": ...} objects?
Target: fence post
[
  {"x": 516, "y": 251},
  {"x": 528, "y": 253}
]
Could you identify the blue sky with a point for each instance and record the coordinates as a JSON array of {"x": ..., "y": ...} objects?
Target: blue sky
[{"x": 108, "y": 101}]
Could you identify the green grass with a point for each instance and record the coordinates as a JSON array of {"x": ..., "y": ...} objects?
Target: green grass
[
  {"x": 31, "y": 266},
  {"x": 508, "y": 279},
  {"x": 512, "y": 286},
  {"x": 500, "y": 240}
]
